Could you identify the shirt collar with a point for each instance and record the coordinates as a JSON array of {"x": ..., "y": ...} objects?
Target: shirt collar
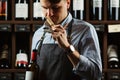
[{"x": 65, "y": 21}]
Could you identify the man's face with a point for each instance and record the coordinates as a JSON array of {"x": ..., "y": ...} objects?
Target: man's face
[{"x": 57, "y": 12}]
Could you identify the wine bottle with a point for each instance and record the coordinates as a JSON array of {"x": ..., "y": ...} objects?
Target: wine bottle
[
  {"x": 96, "y": 9},
  {"x": 33, "y": 69},
  {"x": 113, "y": 61},
  {"x": 21, "y": 10},
  {"x": 113, "y": 10},
  {"x": 3, "y": 9},
  {"x": 78, "y": 9},
  {"x": 4, "y": 61},
  {"x": 21, "y": 60},
  {"x": 37, "y": 11}
]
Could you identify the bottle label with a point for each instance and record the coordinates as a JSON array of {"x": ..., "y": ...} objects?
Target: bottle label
[
  {"x": 29, "y": 75},
  {"x": 37, "y": 10},
  {"x": 78, "y": 4},
  {"x": 112, "y": 54},
  {"x": 21, "y": 10},
  {"x": 22, "y": 57},
  {"x": 97, "y": 3},
  {"x": 114, "y": 3}
]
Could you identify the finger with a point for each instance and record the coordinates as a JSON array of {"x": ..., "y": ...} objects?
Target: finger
[
  {"x": 58, "y": 28},
  {"x": 57, "y": 34}
]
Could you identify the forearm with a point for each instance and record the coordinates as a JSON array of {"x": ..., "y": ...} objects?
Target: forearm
[
  {"x": 84, "y": 66},
  {"x": 87, "y": 68},
  {"x": 74, "y": 57}
]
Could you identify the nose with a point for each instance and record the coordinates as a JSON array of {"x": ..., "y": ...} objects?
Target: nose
[{"x": 49, "y": 12}]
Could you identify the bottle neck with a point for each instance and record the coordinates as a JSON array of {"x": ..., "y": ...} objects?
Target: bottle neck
[{"x": 33, "y": 56}]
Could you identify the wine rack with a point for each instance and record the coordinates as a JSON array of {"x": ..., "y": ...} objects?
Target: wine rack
[{"x": 21, "y": 37}]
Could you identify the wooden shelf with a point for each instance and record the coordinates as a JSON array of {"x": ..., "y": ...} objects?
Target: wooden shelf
[
  {"x": 21, "y": 22},
  {"x": 41, "y": 22},
  {"x": 104, "y": 22},
  {"x": 12, "y": 70}
]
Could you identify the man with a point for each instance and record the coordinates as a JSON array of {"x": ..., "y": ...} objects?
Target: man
[{"x": 70, "y": 50}]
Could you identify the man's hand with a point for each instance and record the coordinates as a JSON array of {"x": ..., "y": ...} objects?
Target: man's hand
[{"x": 59, "y": 34}]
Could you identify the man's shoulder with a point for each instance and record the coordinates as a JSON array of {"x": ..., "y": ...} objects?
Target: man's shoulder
[{"x": 81, "y": 23}]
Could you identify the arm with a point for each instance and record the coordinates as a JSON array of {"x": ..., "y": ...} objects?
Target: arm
[{"x": 88, "y": 63}]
